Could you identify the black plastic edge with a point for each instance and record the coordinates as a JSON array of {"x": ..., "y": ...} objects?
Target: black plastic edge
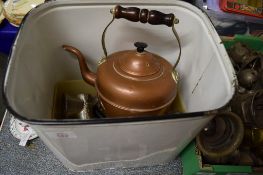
[{"x": 109, "y": 120}]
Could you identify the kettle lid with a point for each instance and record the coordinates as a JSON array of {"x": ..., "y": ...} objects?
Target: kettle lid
[{"x": 139, "y": 62}]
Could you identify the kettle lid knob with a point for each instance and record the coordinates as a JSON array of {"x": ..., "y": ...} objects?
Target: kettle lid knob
[{"x": 140, "y": 46}]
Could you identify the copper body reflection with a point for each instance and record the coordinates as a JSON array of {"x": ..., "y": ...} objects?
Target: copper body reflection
[{"x": 132, "y": 82}]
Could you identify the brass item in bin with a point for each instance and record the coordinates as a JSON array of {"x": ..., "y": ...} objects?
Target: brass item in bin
[
  {"x": 222, "y": 137},
  {"x": 239, "y": 53},
  {"x": 254, "y": 139},
  {"x": 247, "y": 78},
  {"x": 249, "y": 106},
  {"x": 133, "y": 82}
]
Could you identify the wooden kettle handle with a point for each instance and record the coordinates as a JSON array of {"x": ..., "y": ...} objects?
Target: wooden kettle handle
[{"x": 135, "y": 14}]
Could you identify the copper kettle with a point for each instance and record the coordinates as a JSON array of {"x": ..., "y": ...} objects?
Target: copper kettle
[{"x": 133, "y": 82}]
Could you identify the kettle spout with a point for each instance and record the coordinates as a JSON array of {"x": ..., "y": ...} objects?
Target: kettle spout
[{"x": 87, "y": 75}]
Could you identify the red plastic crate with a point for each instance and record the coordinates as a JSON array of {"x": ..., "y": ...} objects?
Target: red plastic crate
[{"x": 247, "y": 7}]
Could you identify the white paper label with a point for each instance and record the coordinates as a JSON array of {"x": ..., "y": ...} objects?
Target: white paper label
[
  {"x": 25, "y": 137},
  {"x": 62, "y": 135}
]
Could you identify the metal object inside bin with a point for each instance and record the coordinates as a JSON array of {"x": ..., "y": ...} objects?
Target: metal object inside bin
[{"x": 79, "y": 107}]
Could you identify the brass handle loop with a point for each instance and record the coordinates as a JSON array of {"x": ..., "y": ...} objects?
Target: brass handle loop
[{"x": 144, "y": 16}]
